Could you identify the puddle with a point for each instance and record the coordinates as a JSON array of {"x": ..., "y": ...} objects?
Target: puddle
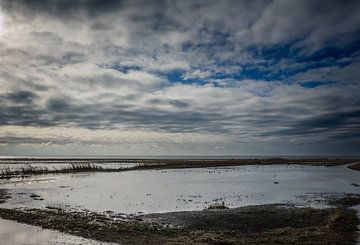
[{"x": 14, "y": 233}]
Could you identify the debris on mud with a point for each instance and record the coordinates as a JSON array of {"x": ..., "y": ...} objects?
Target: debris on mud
[
  {"x": 349, "y": 200},
  {"x": 217, "y": 205},
  {"x": 36, "y": 197},
  {"x": 4, "y": 195}
]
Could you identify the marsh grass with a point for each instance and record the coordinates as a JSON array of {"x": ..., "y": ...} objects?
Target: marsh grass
[
  {"x": 146, "y": 164},
  {"x": 138, "y": 164},
  {"x": 28, "y": 170}
]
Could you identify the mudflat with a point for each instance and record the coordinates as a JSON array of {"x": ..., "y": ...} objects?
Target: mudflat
[
  {"x": 261, "y": 224},
  {"x": 249, "y": 225},
  {"x": 255, "y": 224}
]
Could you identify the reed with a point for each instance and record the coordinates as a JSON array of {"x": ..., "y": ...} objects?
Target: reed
[{"x": 28, "y": 170}]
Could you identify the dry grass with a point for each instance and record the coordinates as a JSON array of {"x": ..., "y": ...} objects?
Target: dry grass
[
  {"x": 217, "y": 205},
  {"x": 7, "y": 172},
  {"x": 139, "y": 164}
]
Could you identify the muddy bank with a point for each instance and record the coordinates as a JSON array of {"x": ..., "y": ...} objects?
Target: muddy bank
[
  {"x": 247, "y": 225},
  {"x": 3, "y": 195},
  {"x": 355, "y": 166},
  {"x": 191, "y": 163}
]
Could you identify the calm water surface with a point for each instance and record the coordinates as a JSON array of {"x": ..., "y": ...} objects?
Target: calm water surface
[
  {"x": 150, "y": 191},
  {"x": 12, "y": 233}
]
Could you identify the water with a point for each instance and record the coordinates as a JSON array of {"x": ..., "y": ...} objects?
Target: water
[
  {"x": 13, "y": 233},
  {"x": 150, "y": 191}
]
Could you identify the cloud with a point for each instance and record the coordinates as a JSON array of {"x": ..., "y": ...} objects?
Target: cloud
[
  {"x": 20, "y": 97},
  {"x": 233, "y": 73}
]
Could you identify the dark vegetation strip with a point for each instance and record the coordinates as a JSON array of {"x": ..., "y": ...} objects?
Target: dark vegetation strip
[
  {"x": 331, "y": 161},
  {"x": 29, "y": 170},
  {"x": 355, "y": 166},
  {"x": 92, "y": 165},
  {"x": 176, "y": 163}
]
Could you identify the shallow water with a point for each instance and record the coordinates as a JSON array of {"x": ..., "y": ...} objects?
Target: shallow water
[
  {"x": 13, "y": 233},
  {"x": 151, "y": 191}
]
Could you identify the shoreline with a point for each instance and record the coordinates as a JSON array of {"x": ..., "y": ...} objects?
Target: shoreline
[
  {"x": 257, "y": 224},
  {"x": 99, "y": 165},
  {"x": 263, "y": 160}
]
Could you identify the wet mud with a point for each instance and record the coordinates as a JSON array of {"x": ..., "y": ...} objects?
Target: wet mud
[{"x": 263, "y": 224}]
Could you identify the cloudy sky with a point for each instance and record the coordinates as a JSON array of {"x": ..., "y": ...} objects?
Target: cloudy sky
[{"x": 179, "y": 77}]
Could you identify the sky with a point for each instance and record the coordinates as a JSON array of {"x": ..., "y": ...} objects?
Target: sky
[{"x": 242, "y": 77}]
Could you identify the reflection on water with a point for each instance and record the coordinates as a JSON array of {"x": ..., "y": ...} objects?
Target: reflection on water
[
  {"x": 12, "y": 233},
  {"x": 186, "y": 189}
]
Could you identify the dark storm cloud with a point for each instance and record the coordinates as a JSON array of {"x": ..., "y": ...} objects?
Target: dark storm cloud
[
  {"x": 31, "y": 140},
  {"x": 62, "y": 8},
  {"x": 19, "y": 97},
  {"x": 337, "y": 125},
  {"x": 24, "y": 116},
  {"x": 63, "y": 112},
  {"x": 179, "y": 104},
  {"x": 176, "y": 103},
  {"x": 58, "y": 105},
  {"x": 336, "y": 120},
  {"x": 109, "y": 117},
  {"x": 67, "y": 58},
  {"x": 21, "y": 108}
]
